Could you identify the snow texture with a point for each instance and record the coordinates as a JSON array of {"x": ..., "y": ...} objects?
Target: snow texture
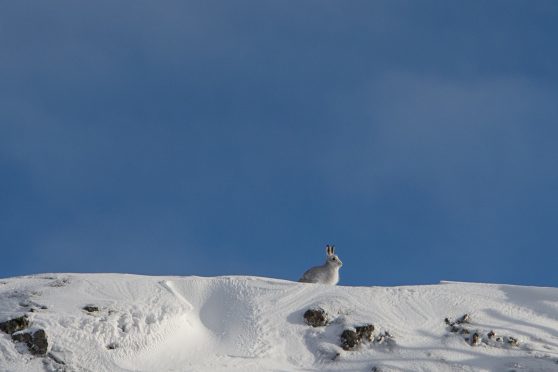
[{"x": 147, "y": 323}]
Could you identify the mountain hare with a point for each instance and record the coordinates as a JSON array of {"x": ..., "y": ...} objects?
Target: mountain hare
[{"x": 328, "y": 273}]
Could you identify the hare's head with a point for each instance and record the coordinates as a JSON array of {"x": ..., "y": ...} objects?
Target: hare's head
[{"x": 332, "y": 258}]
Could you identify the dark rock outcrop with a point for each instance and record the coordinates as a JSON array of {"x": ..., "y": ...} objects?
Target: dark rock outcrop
[
  {"x": 475, "y": 339},
  {"x": 56, "y": 359},
  {"x": 14, "y": 325},
  {"x": 36, "y": 341},
  {"x": 462, "y": 326},
  {"x": 349, "y": 339},
  {"x": 316, "y": 317},
  {"x": 512, "y": 341},
  {"x": 91, "y": 308},
  {"x": 365, "y": 332}
]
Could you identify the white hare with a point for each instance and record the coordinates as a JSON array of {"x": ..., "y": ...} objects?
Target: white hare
[{"x": 328, "y": 273}]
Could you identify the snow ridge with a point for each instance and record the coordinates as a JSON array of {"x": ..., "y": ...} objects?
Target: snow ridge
[{"x": 143, "y": 323}]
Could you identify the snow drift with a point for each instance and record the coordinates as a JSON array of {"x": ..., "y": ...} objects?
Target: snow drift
[{"x": 115, "y": 322}]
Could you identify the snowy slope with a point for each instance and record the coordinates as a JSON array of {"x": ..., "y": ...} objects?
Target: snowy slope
[{"x": 256, "y": 324}]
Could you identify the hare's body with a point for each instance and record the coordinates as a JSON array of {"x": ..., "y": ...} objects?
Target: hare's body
[
  {"x": 324, "y": 274},
  {"x": 328, "y": 273}
]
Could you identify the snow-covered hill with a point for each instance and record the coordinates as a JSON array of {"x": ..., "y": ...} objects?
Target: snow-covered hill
[{"x": 115, "y": 322}]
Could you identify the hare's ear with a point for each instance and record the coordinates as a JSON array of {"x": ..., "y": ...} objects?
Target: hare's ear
[
  {"x": 329, "y": 250},
  {"x": 332, "y": 250}
]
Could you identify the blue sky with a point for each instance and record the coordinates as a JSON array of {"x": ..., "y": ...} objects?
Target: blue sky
[{"x": 211, "y": 138}]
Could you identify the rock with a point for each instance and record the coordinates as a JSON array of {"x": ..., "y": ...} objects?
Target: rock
[
  {"x": 349, "y": 339},
  {"x": 316, "y": 317},
  {"x": 56, "y": 359},
  {"x": 112, "y": 346},
  {"x": 22, "y": 337},
  {"x": 14, "y": 325},
  {"x": 464, "y": 319},
  {"x": 475, "y": 339},
  {"x": 91, "y": 308},
  {"x": 454, "y": 329},
  {"x": 36, "y": 341},
  {"x": 61, "y": 282},
  {"x": 39, "y": 344},
  {"x": 365, "y": 332},
  {"x": 457, "y": 326}
]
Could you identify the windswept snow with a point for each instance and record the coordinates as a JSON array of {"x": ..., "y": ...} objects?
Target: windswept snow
[{"x": 256, "y": 324}]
